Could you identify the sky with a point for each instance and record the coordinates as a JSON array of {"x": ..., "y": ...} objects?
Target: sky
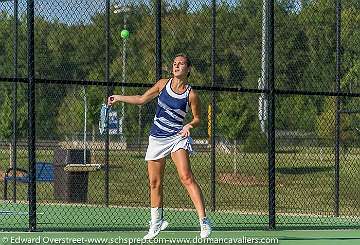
[
  {"x": 80, "y": 11},
  {"x": 66, "y": 11}
]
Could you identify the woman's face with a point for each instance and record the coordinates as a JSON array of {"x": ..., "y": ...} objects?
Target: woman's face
[{"x": 180, "y": 67}]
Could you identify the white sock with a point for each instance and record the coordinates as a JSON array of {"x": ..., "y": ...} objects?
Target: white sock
[
  {"x": 156, "y": 215},
  {"x": 202, "y": 220}
]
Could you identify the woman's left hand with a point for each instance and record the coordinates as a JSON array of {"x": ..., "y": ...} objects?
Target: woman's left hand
[{"x": 185, "y": 131}]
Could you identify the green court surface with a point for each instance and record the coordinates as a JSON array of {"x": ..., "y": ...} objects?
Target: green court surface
[
  {"x": 125, "y": 225},
  {"x": 80, "y": 217},
  {"x": 341, "y": 237}
]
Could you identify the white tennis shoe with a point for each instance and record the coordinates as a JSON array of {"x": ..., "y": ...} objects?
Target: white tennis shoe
[
  {"x": 205, "y": 227},
  {"x": 155, "y": 229}
]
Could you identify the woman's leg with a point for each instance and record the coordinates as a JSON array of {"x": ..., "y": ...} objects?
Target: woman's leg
[
  {"x": 155, "y": 173},
  {"x": 182, "y": 162}
]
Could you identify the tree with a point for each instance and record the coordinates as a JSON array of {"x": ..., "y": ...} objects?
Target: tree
[
  {"x": 295, "y": 113},
  {"x": 317, "y": 20},
  {"x": 5, "y": 119},
  {"x": 325, "y": 124},
  {"x": 6, "y": 115},
  {"x": 70, "y": 119},
  {"x": 238, "y": 121}
]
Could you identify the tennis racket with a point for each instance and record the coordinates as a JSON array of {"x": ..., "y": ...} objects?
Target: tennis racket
[{"x": 104, "y": 118}]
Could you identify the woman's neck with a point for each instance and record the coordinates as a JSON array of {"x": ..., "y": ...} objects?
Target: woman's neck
[{"x": 179, "y": 83}]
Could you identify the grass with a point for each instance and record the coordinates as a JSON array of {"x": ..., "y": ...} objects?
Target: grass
[{"x": 304, "y": 182}]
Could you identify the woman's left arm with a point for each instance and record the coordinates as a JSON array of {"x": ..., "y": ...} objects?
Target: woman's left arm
[{"x": 194, "y": 102}]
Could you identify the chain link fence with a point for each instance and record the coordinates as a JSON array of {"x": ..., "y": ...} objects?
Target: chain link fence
[{"x": 316, "y": 132}]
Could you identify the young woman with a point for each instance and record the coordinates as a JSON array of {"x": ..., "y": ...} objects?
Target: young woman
[{"x": 169, "y": 136}]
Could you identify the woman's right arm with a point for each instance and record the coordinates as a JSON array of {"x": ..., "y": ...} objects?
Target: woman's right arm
[{"x": 150, "y": 94}]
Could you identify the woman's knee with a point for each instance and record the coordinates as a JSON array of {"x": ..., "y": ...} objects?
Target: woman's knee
[
  {"x": 155, "y": 183},
  {"x": 187, "y": 179}
]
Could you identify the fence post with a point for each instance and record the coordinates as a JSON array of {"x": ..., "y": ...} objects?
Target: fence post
[
  {"x": 269, "y": 79},
  {"x": 213, "y": 107},
  {"x": 158, "y": 40},
  {"x": 31, "y": 116},
  {"x": 109, "y": 92},
  {"x": 14, "y": 92},
  {"x": 337, "y": 112}
]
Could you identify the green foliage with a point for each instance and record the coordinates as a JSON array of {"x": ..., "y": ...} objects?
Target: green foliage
[
  {"x": 317, "y": 20},
  {"x": 304, "y": 60},
  {"x": 70, "y": 119},
  {"x": 351, "y": 79},
  {"x": 5, "y": 118},
  {"x": 235, "y": 117},
  {"x": 6, "y": 114},
  {"x": 295, "y": 113},
  {"x": 325, "y": 123},
  {"x": 256, "y": 142}
]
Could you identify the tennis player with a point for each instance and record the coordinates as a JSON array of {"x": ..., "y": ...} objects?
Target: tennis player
[{"x": 169, "y": 136}]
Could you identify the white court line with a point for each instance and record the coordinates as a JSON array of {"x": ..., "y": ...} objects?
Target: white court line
[
  {"x": 10, "y": 212},
  {"x": 310, "y": 215}
]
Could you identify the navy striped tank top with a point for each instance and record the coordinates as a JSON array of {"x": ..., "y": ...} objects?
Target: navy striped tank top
[{"x": 170, "y": 112}]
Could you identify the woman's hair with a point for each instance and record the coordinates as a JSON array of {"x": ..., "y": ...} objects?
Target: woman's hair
[{"x": 188, "y": 61}]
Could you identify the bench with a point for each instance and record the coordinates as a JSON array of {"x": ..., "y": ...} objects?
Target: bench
[{"x": 44, "y": 173}]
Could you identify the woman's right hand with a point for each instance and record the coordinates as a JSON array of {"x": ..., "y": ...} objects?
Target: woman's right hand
[{"x": 112, "y": 99}]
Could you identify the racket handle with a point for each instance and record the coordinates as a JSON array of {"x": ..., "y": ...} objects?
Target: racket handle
[{"x": 111, "y": 99}]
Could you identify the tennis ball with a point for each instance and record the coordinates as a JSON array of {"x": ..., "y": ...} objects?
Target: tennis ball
[{"x": 125, "y": 34}]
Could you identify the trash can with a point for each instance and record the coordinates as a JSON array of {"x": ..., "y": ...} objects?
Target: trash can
[{"x": 70, "y": 186}]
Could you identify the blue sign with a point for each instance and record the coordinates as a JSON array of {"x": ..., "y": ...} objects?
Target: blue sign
[{"x": 115, "y": 124}]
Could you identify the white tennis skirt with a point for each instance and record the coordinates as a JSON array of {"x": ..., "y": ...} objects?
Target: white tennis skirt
[{"x": 162, "y": 147}]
